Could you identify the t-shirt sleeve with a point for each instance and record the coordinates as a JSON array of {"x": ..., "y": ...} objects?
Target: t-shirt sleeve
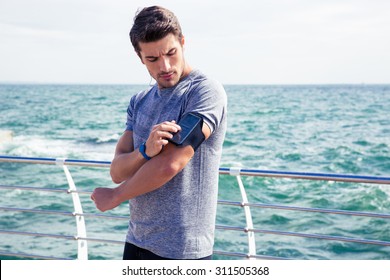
[
  {"x": 130, "y": 116},
  {"x": 209, "y": 100}
]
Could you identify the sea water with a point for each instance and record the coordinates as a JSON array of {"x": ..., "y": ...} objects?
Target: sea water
[{"x": 308, "y": 128}]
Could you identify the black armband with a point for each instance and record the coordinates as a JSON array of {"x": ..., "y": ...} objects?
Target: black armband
[{"x": 191, "y": 131}]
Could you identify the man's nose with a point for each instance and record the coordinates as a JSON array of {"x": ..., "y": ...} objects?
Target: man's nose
[{"x": 165, "y": 65}]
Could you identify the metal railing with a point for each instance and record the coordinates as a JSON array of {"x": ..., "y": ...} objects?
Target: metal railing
[{"x": 82, "y": 239}]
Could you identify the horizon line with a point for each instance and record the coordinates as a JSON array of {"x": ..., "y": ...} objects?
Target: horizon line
[{"x": 225, "y": 84}]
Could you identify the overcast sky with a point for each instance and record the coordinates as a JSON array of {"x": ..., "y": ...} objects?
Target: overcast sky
[{"x": 237, "y": 42}]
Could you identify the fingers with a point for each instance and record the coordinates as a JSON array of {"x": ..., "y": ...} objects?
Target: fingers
[
  {"x": 162, "y": 142},
  {"x": 164, "y": 134},
  {"x": 92, "y": 196},
  {"x": 159, "y": 137},
  {"x": 165, "y": 130},
  {"x": 100, "y": 196},
  {"x": 168, "y": 127}
]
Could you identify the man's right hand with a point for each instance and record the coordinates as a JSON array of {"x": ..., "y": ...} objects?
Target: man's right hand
[
  {"x": 105, "y": 199},
  {"x": 159, "y": 136}
]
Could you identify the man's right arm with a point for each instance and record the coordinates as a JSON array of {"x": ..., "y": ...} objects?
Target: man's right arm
[{"x": 127, "y": 161}]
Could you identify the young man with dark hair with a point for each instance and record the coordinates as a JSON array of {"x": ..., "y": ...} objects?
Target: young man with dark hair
[{"x": 171, "y": 187}]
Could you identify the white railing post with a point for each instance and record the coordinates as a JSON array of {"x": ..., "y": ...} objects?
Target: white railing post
[
  {"x": 234, "y": 171},
  {"x": 82, "y": 247}
]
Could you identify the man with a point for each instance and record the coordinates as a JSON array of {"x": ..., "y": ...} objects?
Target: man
[{"x": 172, "y": 189}]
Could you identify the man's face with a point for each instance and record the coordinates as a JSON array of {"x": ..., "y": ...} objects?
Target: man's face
[{"x": 164, "y": 60}]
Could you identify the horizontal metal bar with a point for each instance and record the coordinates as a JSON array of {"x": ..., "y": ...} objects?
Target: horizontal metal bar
[
  {"x": 321, "y": 210},
  {"x": 37, "y": 211},
  {"x": 248, "y": 256},
  {"x": 326, "y": 237},
  {"x": 306, "y": 209},
  {"x": 104, "y": 216},
  {"x": 231, "y": 203},
  {"x": 53, "y": 161},
  {"x": 222, "y": 227},
  {"x": 30, "y": 256},
  {"x": 59, "y": 236},
  {"x": 309, "y": 176},
  {"x": 28, "y": 188},
  {"x": 102, "y": 240},
  {"x": 222, "y": 170},
  {"x": 27, "y": 159},
  {"x": 38, "y": 234},
  {"x": 305, "y": 235},
  {"x": 63, "y": 213}
]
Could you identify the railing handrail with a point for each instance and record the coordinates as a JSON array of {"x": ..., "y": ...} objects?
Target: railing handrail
[
  {"x": 53, "y": 161},
  {"x": 222, "y": 170},
  {"x": 310, "y": 175}
]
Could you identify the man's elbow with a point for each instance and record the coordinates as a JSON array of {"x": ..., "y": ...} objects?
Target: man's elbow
[
  {"x": 170, "y": 169},
  {"x": 172, "y": 163},
  {"x": 116, "y": 180},
  {"x": 115, "y": 177}
]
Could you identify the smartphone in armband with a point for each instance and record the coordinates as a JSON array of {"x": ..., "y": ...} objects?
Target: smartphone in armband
[{"x": 191, "y": 131}]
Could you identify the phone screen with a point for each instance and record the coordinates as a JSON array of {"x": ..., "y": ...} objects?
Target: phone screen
[{"x": 187, "y": 124}]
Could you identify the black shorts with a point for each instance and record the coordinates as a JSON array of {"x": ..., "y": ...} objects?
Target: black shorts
[{"x": 132, "y": 252}]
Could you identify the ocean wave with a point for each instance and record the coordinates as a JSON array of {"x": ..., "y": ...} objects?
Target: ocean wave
[
  {"x": 6, "y": 136},
  {"x": 106, "y": 139},
  {"x": 40, "y": 146}
]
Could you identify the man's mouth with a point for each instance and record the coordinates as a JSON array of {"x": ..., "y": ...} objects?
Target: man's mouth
[{"x": 167, "y": 76}]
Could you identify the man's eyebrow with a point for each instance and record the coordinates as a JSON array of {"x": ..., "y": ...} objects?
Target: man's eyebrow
[{"x": 152, "y": 56}]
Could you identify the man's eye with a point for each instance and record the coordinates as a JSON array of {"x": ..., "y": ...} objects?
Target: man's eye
[
  {"x": 172, "y": 52},
  {"x": 152, "y": 59}
]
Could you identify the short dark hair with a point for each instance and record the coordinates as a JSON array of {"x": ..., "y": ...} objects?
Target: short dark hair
[{"x": 152, "y": 24}]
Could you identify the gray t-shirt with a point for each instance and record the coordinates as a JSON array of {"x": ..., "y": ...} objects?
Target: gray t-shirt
[{"x": 178, "y": 220}]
